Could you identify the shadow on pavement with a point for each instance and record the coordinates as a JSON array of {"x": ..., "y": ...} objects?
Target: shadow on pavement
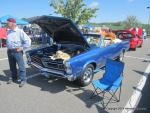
[
  {"x": 3, "y": 78},
  {"x": 148, "y": 54},
  {"x": 84, "y": 95},
  {"x": 7, "y": 73},
  {"x": 144, "y": 104},
  {"x": 146, "y": 61},
  {"x": 53, "y": 85},
  {"x": 139, "y": 72},
  {"x": 56, "y": 85}
]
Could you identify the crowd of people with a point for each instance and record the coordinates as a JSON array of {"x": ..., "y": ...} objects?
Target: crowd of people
[{"x": 36, "y": 35}]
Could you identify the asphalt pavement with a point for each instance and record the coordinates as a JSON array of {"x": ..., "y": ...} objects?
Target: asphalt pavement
[{"x": 55, "y": 95}]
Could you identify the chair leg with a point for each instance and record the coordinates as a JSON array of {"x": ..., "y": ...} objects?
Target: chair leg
[
  {"x": 92, "y": 94},
  {"x": 118, "y": 99},
  {"x": 119, "y": 94},
  {"x": 112, "y": 95},
  {"x": 95, "y": 91},
  {"x": 115, "y": 97},
  {"x": 103, "y": 104}
]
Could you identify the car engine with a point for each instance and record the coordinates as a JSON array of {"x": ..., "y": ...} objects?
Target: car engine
[{"x": 55, "y": 56}]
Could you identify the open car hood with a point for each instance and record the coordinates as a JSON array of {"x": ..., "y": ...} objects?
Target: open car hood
[{"x": 60, "y": 29}]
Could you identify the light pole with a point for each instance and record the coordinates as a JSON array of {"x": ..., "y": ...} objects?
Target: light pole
[{"x": 148, "y": 7}]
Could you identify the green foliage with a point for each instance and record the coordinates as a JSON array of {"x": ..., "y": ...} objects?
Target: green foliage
[
  {"x": 131, "y": 21},
  {"x": 111, "y": 25},
  {"x": 76, "y": 10},
  {"x": 147, "y": 27}
]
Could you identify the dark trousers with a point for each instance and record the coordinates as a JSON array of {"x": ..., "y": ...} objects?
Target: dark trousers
[{"x": 14, "y": 58}]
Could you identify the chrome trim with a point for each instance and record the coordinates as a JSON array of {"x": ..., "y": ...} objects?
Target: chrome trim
[
  {"x": 71, "y": 77},
  {"x": 68, "y": 67},
  {"x": 45, "y": 70},
  {"x": 48, "y": 70}
]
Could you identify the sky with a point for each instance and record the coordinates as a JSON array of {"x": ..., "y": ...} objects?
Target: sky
[{"x": 109, "y": 10}]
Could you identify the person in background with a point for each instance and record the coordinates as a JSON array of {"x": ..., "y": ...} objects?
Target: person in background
[
  {"x": 144, "y": 34},
  {"x": 17, "y": 41}
]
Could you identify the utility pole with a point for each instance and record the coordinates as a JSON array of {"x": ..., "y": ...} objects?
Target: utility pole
[{"x": 148, "y": 33}]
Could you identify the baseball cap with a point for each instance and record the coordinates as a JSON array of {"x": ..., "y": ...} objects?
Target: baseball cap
[{"x": 11, "y": 20}]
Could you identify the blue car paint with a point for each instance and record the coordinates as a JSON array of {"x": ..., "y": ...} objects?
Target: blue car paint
[
  {"x": 96, "y": 56},
  {"x": 92, "y": 55}
]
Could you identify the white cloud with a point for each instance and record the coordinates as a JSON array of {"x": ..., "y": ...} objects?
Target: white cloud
[{"x": 94, "y": 4}]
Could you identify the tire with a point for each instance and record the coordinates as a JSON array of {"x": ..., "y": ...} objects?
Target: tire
[
  {"x": 135, "y": 47},
  {"x": 141, "y": 44},
  {"x": 87, "y": 76}
]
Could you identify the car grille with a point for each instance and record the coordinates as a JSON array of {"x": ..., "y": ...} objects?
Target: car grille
[
  {"x": 53, "y": 64},
  {"x": 36, "y": 59},
  {"x": 48, "y": 63}
]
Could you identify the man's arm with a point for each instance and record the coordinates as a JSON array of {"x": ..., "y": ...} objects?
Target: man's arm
[{"x": 25, "y": 39}]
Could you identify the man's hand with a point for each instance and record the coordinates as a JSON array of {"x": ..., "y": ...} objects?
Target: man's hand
[{"x": 19, "y": 49}]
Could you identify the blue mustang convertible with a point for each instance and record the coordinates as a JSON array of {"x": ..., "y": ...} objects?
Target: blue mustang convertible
[{"x": 72, "y": 55}]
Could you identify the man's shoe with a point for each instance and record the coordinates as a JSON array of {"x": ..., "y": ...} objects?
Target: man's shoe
[
  {"x": 9, "y": 81},
  {"x": 22, "y": 83},
  {"x": 12, "y": 80}
]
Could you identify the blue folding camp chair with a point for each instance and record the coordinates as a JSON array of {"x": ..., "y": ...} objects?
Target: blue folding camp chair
[{"x": 110, "y": 82}]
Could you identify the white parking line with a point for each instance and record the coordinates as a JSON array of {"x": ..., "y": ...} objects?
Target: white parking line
[
  {"x": 3, "y": 59},
  {"x": 34, "y": 75},
  {"x": 7, "y": 58},
  {"x": 137, "y": 58},
  {"x": 136, "y": 95}
]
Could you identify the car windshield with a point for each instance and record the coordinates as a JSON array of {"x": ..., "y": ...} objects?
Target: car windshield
[
  {"x": 124, "y": 35},
  {"x": 93, "y": 40}
]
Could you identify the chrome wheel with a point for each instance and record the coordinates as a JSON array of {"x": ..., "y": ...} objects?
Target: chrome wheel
[{"x": 88, "y": 74}]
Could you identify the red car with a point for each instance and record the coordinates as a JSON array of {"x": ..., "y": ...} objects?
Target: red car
[
  {"x": 3, "y": 36},
  {"x": 135, "y": 40}
]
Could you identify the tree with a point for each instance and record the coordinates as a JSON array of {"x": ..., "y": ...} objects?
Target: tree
[
  {"x": 76, "y": 10},
  {"x": 131, "y": 21}
]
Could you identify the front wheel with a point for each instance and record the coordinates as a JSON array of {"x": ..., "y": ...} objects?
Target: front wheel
[{"x": 87, "y": 76}]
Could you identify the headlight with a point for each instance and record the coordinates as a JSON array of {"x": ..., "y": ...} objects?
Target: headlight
[{"x": 68, "y": 68}]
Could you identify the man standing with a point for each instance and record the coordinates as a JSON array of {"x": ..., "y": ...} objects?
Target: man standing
[{"x": 17, "y": 40}]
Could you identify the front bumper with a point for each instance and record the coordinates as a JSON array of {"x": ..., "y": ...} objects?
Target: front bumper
[{"x": 53, "y": 72}]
